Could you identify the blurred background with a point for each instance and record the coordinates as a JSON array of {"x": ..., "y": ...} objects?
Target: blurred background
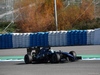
[{"x": 13, "y": 20}]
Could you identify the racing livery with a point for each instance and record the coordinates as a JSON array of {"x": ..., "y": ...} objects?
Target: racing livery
[{"x": 46, "y": 54}]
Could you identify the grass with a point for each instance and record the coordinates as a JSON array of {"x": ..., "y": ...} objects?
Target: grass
[{"x": 11, "y": 28}]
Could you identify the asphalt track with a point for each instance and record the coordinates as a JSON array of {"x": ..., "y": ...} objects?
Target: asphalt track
[{"x": 82, "y": 67}]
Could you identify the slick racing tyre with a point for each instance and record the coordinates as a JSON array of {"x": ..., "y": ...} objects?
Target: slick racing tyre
[
  {"x": 73, "y": 53},
  {"x": 55, "y": 58},
  {"x": 27, "y": 59}
]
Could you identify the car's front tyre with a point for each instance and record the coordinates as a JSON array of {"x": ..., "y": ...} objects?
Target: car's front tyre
[
  {"x": 73, "y": 53},
  {"x": 55, "y": 58}
]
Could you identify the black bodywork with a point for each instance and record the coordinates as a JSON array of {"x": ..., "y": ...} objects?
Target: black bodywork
[{"x": 47, "y": 55}]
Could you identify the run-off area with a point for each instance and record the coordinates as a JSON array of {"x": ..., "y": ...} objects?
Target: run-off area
[{"x": 21, "y": 58}]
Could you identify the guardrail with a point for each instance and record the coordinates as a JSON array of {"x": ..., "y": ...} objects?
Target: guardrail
[{"x": 51, "y": 38}]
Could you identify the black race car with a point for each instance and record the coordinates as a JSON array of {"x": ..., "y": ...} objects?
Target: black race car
[{"x": 46, "y": 54}]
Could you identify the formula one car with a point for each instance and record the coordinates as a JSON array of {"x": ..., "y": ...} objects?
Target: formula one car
[{"x": 46, "y": 54}]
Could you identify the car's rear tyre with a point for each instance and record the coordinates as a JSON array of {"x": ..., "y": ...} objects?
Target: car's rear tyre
[
  {"x": 55, "y": 58},
  {"x": 27, "y": 59}
]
